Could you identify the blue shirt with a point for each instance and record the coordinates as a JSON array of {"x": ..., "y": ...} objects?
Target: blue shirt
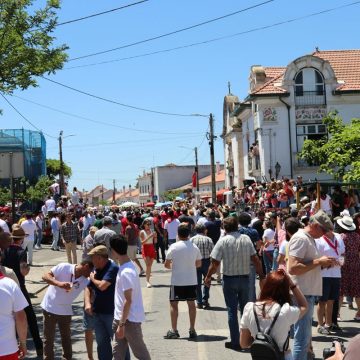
[
  {"x": 104, "y": 300},
  {"x": 251, "y": 233}
]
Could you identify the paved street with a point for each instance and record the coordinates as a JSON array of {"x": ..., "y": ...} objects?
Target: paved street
[{"x": 211, "y": 324}]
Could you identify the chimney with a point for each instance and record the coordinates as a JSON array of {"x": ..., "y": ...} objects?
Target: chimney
[{"x": 257, "y": 77}]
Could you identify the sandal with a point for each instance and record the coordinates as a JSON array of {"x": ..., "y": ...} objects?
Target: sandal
[{"x": 172, "y": 334}]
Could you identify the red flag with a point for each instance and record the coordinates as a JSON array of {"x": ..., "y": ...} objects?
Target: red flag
[{"x": 194, "y": 179}]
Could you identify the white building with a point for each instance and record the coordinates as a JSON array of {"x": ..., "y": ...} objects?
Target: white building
[
  {"x": 285, "y": 106},
  {"x": 145, "y": 187}
]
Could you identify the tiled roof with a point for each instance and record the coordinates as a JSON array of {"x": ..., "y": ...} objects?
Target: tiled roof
[
  {"x": 273, "y": 75},
  {"x": 219, "y": 177},
  {"x": 345, "y": 63}
]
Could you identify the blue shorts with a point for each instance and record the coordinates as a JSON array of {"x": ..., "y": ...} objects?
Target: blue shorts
[
  {"x": 331, "y": 289},
  {"x": 88, "y": 321}
]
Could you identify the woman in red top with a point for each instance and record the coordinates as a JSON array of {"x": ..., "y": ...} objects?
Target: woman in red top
[{"x": 148, "y": 239}]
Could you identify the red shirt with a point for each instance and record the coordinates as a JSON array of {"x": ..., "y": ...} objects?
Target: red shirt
[{"x": 124, "y": 224}]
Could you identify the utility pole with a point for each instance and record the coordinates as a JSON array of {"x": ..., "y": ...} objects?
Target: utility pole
[
  {"x": 212, "y": 159},
  {"x": 114, "y": 190},
  {"x": 102, "y": 192},
  {"x": 197, "y": 169},
  {"x": 61, "y": 165},
  {"x": 12, "y": 188}
]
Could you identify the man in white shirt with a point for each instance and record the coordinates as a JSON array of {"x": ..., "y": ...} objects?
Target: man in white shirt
[
  {"x": 66, "y": 282},
  {"x": 171, "y": 227},
  {"x": 50, "y": 205},
  {"x": 129, "y": 309},
  {"x": 12, "y": 319},
  {"x": 39, "y": 221},
  {"x": 29, "y": 227},
  {"x": 3, "y": 223},
  {"x": 183, "y": 257}
]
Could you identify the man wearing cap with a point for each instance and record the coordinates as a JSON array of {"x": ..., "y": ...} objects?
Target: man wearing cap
[
  {"x": 99, "y": 299},
  {"x": 70, "y": 235},
  {"x": 15, "y": 259},
  {"x": 66, "y": 282},
  {"x": 103, "y": 236},
  {"x": 305, "y": 266}
]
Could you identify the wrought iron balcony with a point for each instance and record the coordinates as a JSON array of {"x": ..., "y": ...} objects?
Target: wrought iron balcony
[{"x": 309, "y": 98}]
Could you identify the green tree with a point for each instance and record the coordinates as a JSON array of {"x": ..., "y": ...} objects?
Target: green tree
[
  {"x": 53, "y": 168},
  {"x": 40, "y": 190},
  {"x": 5, "y": 196},
  {"x": 340, "y": 154},
  {"x": 170, "y": 195},
  {"x": 27, "y": 47}
]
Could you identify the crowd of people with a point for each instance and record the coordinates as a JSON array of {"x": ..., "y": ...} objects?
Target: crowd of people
[{"x": 302, "y": 258}]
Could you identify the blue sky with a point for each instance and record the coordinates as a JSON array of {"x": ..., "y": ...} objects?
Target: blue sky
[{"x": 190, "y": 80}]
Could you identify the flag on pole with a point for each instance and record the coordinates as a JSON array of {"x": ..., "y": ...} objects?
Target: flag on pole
[{"x": 194, "y": 179}]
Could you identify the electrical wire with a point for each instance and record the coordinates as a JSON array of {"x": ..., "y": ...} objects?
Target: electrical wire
[
  {"x": 119, "y": 103},
  {"x": 204, "y": 42},
  {"x": 26, "y": 119},
  {"x": 99, "y": 121},
  {"x": 172, "y": 32},
  {"x": 128, "y": 142},
  {"x": 101, "y": 13}
]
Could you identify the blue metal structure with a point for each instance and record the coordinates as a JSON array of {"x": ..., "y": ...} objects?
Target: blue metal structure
[{"x": 33, "y": 146}]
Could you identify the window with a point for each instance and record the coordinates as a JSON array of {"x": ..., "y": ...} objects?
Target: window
[
  {"x": 309, "y": 83},
  {"x": 309, "y": 132}
]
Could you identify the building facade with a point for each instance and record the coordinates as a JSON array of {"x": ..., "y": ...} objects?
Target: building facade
[
  {"x": 22, "y": 152},
  {"x": 264, "y": 133}
]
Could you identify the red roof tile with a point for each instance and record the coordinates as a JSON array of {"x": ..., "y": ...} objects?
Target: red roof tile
[{"x": 345, "y": 63}]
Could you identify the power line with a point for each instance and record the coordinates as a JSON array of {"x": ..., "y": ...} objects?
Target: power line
[
  {"x": 101, "y": 13},
  {"x": 172, "y": 32},
  {"x": 26, "y": 119},
  {"x": 218, "y": 38},
  {"x": 119, "y": 103},
  {"x": 129, "y": 142},
  {"x": 99, "y": 121}
]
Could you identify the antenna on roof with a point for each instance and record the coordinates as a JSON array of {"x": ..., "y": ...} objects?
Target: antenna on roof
[
  {"x": 317, "y": 49},
  {"x": 229, "y": 87}
]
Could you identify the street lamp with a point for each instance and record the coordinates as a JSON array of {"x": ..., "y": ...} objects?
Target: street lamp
[
  {"x": 277, "y": 169},
  {"x": 62, "y": 185}
]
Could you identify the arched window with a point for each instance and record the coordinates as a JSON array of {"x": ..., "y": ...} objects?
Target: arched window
[{"x": 309, "y": 81}]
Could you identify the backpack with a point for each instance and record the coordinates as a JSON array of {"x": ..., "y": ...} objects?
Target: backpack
[{"x": 264, "y": 346}]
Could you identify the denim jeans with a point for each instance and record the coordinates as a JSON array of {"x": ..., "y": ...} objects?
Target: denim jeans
[
  {"x": 302, "y": 332},
  {"x": 275, "y": 264},
  {"x": 268, "y": 260},
  {"x": 201, "y": 273},
  {"x": 104, "y": 335},
  {"x": 38, "y": 237},
  {"x": 236, "y": 294},
  {"x": 55, "y": 242},
  {"x": 252, "y": 280}
]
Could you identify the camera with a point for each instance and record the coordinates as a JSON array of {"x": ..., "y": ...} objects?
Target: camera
[{"x": 327, "y": 352}]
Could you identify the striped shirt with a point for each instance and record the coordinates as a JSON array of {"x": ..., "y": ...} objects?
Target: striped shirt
[
  {"x": 204, "y": 243},
  {"x": 235, "y": 250}
]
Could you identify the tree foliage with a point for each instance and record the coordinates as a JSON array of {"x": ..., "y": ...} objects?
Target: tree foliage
[
  {"x": 53, "y": 168},
  {"x": 5, "y": 196},
  {"x": 170, "y": 195},
  {"x": 40, "y": 190},
  {"x": 27, "y": 47},
  {"x": 340, "y": 154}
]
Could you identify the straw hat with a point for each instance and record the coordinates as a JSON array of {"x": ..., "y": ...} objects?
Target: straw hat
[
  {"x": 347, "y": 223},
  {"x": 18, "y": 233}
]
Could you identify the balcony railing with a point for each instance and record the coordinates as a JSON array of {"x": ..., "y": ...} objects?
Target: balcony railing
[{"x": 304, "y": 98}]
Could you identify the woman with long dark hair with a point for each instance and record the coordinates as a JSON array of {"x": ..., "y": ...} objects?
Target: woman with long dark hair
[
  {"x": 148, "y": 239},
  {"x": 274, "y": 298}
]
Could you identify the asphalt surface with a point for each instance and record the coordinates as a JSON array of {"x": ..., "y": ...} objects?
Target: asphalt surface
[{"x": 211, "y": 324}]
